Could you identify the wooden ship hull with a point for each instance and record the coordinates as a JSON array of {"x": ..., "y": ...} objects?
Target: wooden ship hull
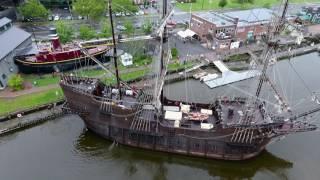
[{"x": 119, "y": 124}]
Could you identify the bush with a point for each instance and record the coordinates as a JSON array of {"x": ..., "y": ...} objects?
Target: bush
[
  {"x": 174, "y": 52},
  {"x": 223, "y": 3},
  {"x": 15, "y": 82},
  {"x": 267, "y": 5},
  {"x": 86, "y": 33}
]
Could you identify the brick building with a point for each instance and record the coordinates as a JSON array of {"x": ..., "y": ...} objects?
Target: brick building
[{"x": 231, "y": 29}]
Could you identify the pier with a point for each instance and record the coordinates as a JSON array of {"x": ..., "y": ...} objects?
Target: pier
[{"x": 30, "y": 120}]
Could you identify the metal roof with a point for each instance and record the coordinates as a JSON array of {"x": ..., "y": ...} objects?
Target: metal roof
[
  {"x": 4, "y": 21},
  {"x": 11, "y": 39},
  {"x": 251, "y": 16},
  {"x": 218, "y": 19}
]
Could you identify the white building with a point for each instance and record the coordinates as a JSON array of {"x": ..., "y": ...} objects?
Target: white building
[{"x": 126, "y": 59}]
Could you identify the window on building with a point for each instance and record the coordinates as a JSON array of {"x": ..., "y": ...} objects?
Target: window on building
[
  {"x": 2, "y": 29},
  {"x": 1, "y": 85}
]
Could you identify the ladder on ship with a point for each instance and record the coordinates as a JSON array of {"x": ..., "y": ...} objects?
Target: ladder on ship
[
  {"x": 145, "y": 113},
  {"x": 106, "y": 106}
]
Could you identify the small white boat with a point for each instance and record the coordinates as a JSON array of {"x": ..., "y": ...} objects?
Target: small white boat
[
  {"x": 199, "y": 75},
  {"x": 208, "y": 77}
]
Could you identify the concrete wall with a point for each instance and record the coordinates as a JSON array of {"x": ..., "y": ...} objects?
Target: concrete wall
[{"x": 7, "y": 66}]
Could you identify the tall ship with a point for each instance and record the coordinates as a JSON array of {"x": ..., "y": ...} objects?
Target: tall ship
[
  {"x": 228, "y": 128},
  {"x": 57, "y": 57}
]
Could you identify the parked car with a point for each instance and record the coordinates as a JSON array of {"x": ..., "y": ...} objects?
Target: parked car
[
  {"x": 69, "y": 18},
  {"x": 137, "y": 25},
  {"x": 121, "y": 28},
  {"x": 118, "y": 14},
  {"x": 171, "y": 23},
  {"x": 56, "y": 17},
  {"x": 80, "y": 17},
  {"x": 50, "y": 18},
  {"x": 141, "y": 12}
]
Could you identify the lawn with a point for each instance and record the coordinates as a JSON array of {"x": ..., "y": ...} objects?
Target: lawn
[
  {"x": 178, "y": 66},
  {"x": 213, "y": 4},
  {"x": 48, "y": 79},
  {"x": 30, "y": 100},
  {"x": 43, "y": 80},
  {"x": 126, "y": 76}
]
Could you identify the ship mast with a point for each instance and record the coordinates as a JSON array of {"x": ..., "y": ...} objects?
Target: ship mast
[
  {"x": 114, "y": 48},
  {"x": 272, "y": 44}
]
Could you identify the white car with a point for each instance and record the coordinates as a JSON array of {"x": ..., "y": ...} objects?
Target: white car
[
  {"x": 141, "y": 12},
  {"x": 121, "y": 28},
  {"x": 56, "y": 18}
]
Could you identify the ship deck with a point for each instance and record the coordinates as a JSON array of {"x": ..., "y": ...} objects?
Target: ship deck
[{"x": 198, "y": 116}]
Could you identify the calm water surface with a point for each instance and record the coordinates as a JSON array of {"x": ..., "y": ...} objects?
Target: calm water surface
[{"x": 64, "y": 149}]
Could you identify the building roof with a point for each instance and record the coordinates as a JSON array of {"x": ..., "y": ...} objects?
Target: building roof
[
  {"x": 4, "y": 21},
  {"x": 11, "y": 39},
  {"x": 215, "y": 18},
  {"x": 245, "y": 17},
  {"x": 251, "y": 16}
]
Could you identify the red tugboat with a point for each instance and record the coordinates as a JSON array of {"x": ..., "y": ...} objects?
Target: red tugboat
[{"x": 55, "y": 57}]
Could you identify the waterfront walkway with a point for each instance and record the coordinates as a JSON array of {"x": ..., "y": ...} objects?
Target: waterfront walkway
[{"x": 29, "y": 120}]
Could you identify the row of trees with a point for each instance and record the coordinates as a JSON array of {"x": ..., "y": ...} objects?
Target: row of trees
[
  {"x": 86, "y": 32},
  {"x": 92, "y": 9}
]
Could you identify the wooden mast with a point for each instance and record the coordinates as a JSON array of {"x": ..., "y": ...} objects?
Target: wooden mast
[
  {"x": 114, "y": 48},
  {"x": 271, "y": 45}
]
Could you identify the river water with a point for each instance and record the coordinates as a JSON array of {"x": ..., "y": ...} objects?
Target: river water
[{"x": 63, "y": 149}]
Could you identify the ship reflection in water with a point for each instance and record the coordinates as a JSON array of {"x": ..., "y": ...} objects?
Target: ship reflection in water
[{"x": 134, "y": 161}]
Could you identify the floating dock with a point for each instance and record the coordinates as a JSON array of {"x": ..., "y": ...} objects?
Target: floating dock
[{"x": 229, "y": 76}]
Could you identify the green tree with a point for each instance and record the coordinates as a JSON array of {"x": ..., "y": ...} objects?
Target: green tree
[
  {"x": 105, "y": 30},
  {"x": 15, "y": 82},
  {"x": 174, "y": 52},
  {"x": 86, "y": 33},
  {"x": 147, "y": 27},
  {"x": 93, "y": 9},
  {"x": 64, "y": 31},
  {"x": 120, "y": 5},
  {"x": 33, "y": 9},
  {"x": 223, "y": 3},
  {"x": 129, "y": 27}
]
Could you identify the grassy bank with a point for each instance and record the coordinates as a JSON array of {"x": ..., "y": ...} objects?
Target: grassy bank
[
  {"x": 48, "y": 79},
  {"x": 178, "y": 66},
  {"x": 214, "y": 4},
  {"x": 29, "y": 101},
  {"x": 126, "y": 76}
]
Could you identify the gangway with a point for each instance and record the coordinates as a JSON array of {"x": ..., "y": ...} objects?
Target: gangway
[{"x": 221, "y": 66}]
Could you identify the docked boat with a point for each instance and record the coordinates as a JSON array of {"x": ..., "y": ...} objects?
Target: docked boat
[
  {"x": 209, "y": 77},
  {"x": 228, "y": 128},
  {"x": 55, "y": 57},
  {"x": 199, "y": 75}
]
